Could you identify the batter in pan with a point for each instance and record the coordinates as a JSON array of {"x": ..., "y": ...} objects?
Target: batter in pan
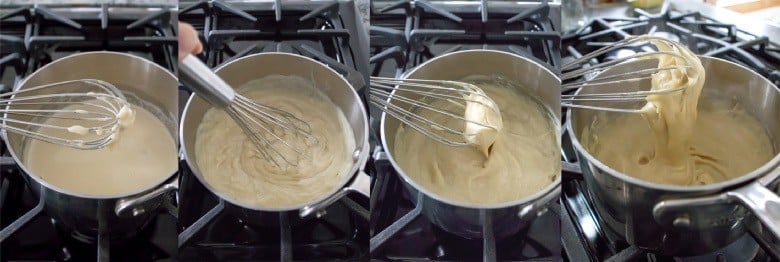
[
  {"x": 233, "y": 166},
  {"x": 676, "y": 140},
  {"x": 523, "y": 159},
  {"x": 142, "y": 154}
]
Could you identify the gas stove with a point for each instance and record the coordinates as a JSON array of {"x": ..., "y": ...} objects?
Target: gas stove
[
  {"x": 33, "y": 36},
  {"x": 330, "y": 32},
  {"x": 404, "y": 34},
  {"x": 584, "y": 235}
]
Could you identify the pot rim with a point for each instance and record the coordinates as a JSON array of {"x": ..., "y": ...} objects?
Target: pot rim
[
  {"x": 524, "y": 200},
  {"x": 68, "y": 192},
  {"x": 765, "y": 169},
  {"x": 354, "y": 170}
]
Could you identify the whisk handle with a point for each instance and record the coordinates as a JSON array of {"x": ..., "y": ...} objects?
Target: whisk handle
[{"x": 200, "y": 79}]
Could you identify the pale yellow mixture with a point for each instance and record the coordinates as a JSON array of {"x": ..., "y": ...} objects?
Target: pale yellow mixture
[
  {"x": 483, "y": 121},
  {"x": 675, "y": 140},
  {"x": 233, "y": 166},
  {"x": 524, "y": 159},
  {"x": 143, "y": 154}
]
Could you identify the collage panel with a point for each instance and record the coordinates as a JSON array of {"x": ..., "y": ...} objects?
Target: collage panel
[
  {"x": 90, "y": 126},
  {"x": 311, "y": 57},
  {"x": 679, "y": 159},
  {"x": 480, "y": 181},
  {"x": 389, "y": 130},
  {"x": 274, "y": 170}
]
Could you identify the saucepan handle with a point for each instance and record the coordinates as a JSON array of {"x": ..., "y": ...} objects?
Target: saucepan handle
[
  {"x": 763, "y": 202},
  {"x": 360, "y": 184},
  {"x": 130, "y": 206}
]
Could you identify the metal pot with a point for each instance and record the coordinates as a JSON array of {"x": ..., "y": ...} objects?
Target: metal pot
[
  {"x": 245, "y": 69},
  {"x": 465, "y": 219},
  {"x": 687, "y": 220},
  {"x": 140, "y": 80}
]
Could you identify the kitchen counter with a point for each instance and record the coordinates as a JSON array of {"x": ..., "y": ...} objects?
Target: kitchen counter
[{"x": 743, "y": 22}]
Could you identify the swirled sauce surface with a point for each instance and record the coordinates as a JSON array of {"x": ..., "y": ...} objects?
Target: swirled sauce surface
[
  {"x": 523, "y": 160},
  {"x": 231, "y": 163}
]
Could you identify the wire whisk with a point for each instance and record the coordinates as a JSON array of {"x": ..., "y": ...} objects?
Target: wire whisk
[
  {"x": 91, "y": 107},
  {"x": 270, "y": 129},
  {"x": 580, "y": 73},
  {"x": 411, "y": 101}
]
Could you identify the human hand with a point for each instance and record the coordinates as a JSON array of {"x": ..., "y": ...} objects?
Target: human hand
[{"x": 188, "y": 41}]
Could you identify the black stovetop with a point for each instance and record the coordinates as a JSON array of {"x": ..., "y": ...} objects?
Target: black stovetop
[
  {"x": 584, "y": 236},
  {"x": 31, "y": 38},
  {"x": 406, "y": 34},
  {"x": 213, "y": 229}
]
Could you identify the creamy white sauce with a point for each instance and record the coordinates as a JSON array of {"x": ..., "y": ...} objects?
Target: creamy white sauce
[
  {"x": 524, "y": 159},
  {"x": 676, "y": 140},
  {"x": 481, "y": 111},
  {"x": 232, "y": 165},
  {"x": 144, "y": 156}
]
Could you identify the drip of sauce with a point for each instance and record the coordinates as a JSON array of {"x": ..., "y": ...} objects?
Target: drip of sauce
[
  {"x": 664, "y": 148},
  {"x": 479, "y": 111},
  {"x": 144, "y": 156},
  {"x": 524, "y": 159},
  {"x": 232, "y": 165}
]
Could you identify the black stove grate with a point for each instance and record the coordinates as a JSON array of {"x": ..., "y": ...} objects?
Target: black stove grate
[
  {"x": 323, "y": 31},
  {"x": 35, "y": 36},
  {"x": 584, "y": 238},
  {"x": 404, "y": 34},
  {"x": 330, "y": 32},
  {"x": 32, "y": 37},
  {"x": 703, "y": 35}
]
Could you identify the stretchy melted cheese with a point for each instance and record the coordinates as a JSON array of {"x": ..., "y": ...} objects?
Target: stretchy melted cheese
[
  {"x": 676, "y": 143},
  {"x": 233, "y": 166},
  {"x": 142, "y": 155},
  {"x": 523, "y": 160}
]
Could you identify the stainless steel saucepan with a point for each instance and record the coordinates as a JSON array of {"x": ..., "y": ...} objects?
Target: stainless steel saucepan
[
  {"x": 245, "y": 69},
  {"x": 688, "y": 220},
  {"x": 144, "y": 83},
  {"x": 465, "y": 219}
]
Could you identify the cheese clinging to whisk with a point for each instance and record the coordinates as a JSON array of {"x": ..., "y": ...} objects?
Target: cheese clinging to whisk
[{"x": 479, "y": 111}]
